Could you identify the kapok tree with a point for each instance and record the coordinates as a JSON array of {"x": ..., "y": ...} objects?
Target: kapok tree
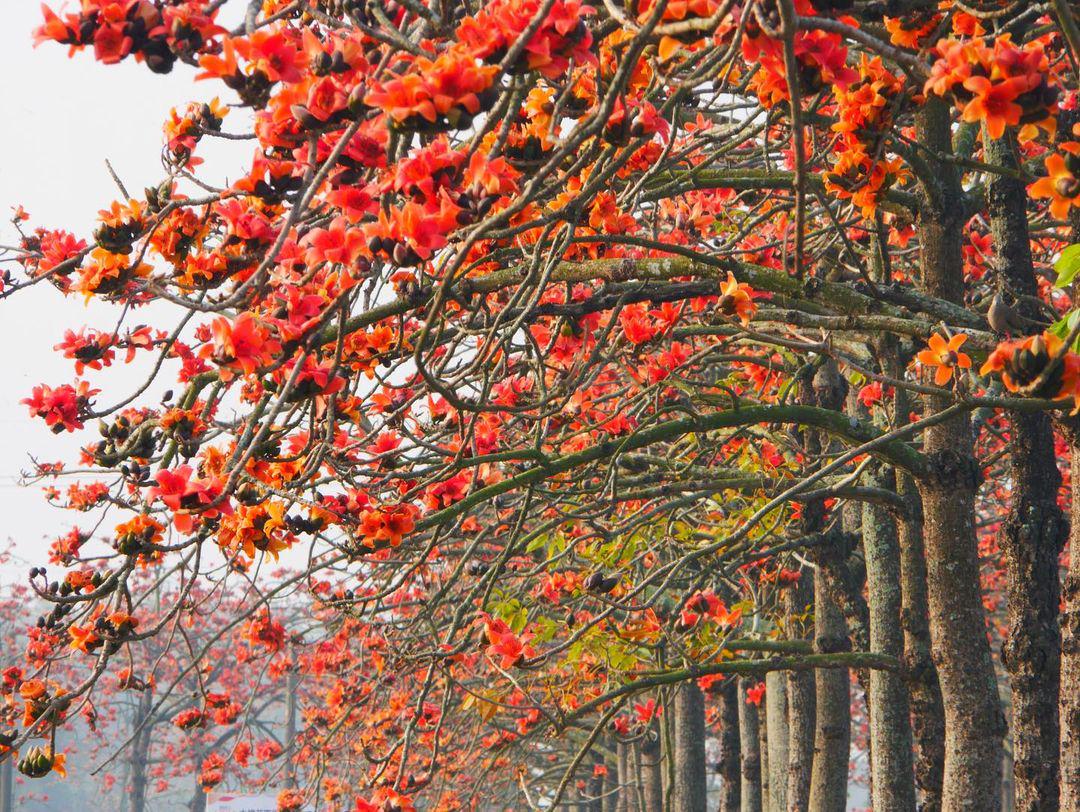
[{"x": 594, "y": 356}]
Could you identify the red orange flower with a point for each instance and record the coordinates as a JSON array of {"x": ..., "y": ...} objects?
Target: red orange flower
[
  {"x": 944, "y": 356},
  {"x": 736, "y": 299},
  {"x": 1062, "y": 182}
]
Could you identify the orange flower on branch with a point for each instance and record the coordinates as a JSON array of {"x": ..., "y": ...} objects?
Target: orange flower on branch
[
  {"x": 1062, "y": 182},
  {"x": 1021, "y": 363},
  {"x": 32, "y": 689},
  {"x": 188, "y": 497},
  {"x": 908, "y": 31},
  {"x": 108, "y": 273},
  {"x": 995, "y": 102},
  {"x": 62, "y": 408},
  {"x": 386, "y": 525},
  {"x": 242, "y": 343},
  {"x": 385, "y": 799},
  {"x": 83, "y": 638},
  {"x": 440, "y": 94},
  {"x": 944, "y": 356},
  {"x": 505, "y": 648},
  {"x": 259, "y": 527},
  {"x": 560, "y": 38},
  {"x": 1000, "y": 86},
  {"x": 736, "y": 300},
  {"x": 264, "y": 631}
]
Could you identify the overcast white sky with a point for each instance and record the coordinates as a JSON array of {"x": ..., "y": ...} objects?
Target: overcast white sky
[{"x": 62, "y": 118}]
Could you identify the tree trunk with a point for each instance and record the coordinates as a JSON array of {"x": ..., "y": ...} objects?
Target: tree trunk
[
  {"x": 920, "y": 673},
  {"x": 1031, "y": 540},
  {"x": 650, "y": 757},
  {"x": 688, "y": 790},
  {"x": 891, "y": 768},
  {"x": 198, "y": 800},
  {"x": 832, "y": 736},
  {"x": 291, "y": 687},
  {"x": 1008, "y": 788},
  {"x": 801, "y": 702},
  {"x": 7, "y": 785},
  {"x": 927, "y": 711},
  {"x": 730, "y": 782},
  {"x": 827, "y": 788},
  {"x": 821, "y": 386},
  {"x": 845, "y": 587},
  {"x": 594, "y": 787},
  {"x": 612, "y": 791},
  {"x": 628, "y": 787},
  {"x": 1034, "y": 528},
  {"x": 594, "y": 784},
  {"x": 973, "y": 718},
  {"x": 763, "y": 737},
  {"x": 777, "y": 719},
  {"x": 1070, "y": 647},
  {"x": 749, "y": 751},
  {"x": 140, "y": 751}
]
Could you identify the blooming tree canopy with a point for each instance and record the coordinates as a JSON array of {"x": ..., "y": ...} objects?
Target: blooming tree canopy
[{"x": 586, "y": 364}]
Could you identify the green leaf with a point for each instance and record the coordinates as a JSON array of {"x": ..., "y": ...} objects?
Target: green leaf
[
  {"x": 545, "y": 629},
  {"x": 519, "y": 620},
  {"x": 1067, "y": 265},
  {"x": 536, "y": 543},
  {"x": 1065, "y": 325}
]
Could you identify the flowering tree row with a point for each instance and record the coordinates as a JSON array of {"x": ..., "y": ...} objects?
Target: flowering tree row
[{"x": 619, "y": 376}]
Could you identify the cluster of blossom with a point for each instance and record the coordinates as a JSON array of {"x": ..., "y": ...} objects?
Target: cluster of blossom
[{"x": 154, "y": 33}]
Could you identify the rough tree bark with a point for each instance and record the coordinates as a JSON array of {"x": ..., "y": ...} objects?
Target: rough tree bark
[
  {"x": 801, "y": 702},
  {"x": 750, "y": 796},
  {"x": 924, "y": 691},
  {"x": 688, "y": 789},
  {"x": 1070, "y": 643},
  {"x": 973, "y": 720},
  {"x": 7, "y": 785},
  {"x": 832, "y": 724},
  {"x": 628, "y": 779},
  {"x": 843, "y": 578},
  {"x": 730, "y": 787},
  {"x": 832, "y": 736},
  {"x": 292, "y": 684},
  {"x": 763, "y": 737},
  {"x": 650, "y": 759},
  {"x": 1034, "y": 527},
  {"x": 612, "y": 791},
  {"x": 198, "y": 799},
  {"x": 777, "y": 724},
  {"x": 891, "y": 768}
]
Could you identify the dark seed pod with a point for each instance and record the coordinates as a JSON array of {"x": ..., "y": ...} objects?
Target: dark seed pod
[
  {"x": 400, "y": 254},
  {"x": 321, "y": 64},
  {"x": 477, "y": 568}
]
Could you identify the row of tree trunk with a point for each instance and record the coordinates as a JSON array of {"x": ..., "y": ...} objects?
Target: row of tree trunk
[{"x": 937, "y": 729}]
